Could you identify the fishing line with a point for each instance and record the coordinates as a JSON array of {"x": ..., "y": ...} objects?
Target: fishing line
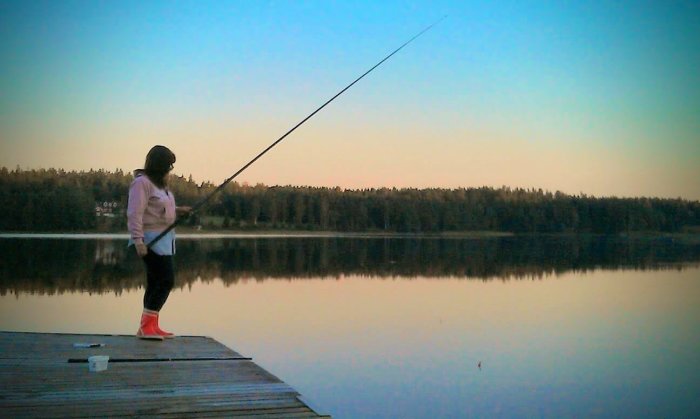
[{"x": 206, "y": 199}]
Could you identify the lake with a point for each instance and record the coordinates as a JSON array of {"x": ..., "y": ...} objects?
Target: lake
[{"x": 370, "y": 327}]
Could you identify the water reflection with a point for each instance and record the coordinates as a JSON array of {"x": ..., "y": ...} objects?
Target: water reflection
[{"x": 55, "y": 266}]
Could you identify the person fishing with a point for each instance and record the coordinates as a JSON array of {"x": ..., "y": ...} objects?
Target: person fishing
[
  {"x": 152, "y": 214},
  {"x": 151, "y": 210}
]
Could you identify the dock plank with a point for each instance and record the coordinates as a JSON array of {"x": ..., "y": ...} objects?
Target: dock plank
[
  {"x": 191, "y": 376},
  {"x": 60, "y": 346}
]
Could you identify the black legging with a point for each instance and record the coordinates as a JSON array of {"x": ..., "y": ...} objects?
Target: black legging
[{"x": 160, "y": 278}]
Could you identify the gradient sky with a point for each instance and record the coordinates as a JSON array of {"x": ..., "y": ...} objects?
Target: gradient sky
[{"x": 587, "y": 97}]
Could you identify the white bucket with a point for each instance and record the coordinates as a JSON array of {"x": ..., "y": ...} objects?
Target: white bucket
[{"x": 98, "y": 363}]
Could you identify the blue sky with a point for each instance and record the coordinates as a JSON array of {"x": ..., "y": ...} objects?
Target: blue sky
[{"x": 593, "y": 97}]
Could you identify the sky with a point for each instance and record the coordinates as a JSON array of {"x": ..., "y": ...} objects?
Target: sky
[{"x": 593, "y": 97}]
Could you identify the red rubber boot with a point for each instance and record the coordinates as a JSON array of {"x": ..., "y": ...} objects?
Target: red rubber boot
[
  {"x": 166, "y": 335},
  {"x": 149, "y": 324}
]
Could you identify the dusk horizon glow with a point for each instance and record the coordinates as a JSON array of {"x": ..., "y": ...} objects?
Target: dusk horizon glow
[{"x": 599, "y": 99}]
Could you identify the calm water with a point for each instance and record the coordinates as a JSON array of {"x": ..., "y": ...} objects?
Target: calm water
[{"x": 396, "y": 327}]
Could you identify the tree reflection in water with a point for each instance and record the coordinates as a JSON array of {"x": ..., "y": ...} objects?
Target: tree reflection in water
[{"x": 56, "y": 266}]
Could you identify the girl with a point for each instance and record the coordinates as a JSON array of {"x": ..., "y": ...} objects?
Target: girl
[{"x": 150, "y": 211}]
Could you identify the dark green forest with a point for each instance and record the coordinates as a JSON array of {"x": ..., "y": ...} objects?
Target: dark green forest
[{"x": 57, "y": 200}]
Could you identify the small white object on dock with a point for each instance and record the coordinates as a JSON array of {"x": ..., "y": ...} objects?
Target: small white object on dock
[{"x": 88, "y": 345}]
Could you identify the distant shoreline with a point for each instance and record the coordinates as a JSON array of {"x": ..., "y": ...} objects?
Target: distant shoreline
[
  {"x": 188, "y": 233},
  {"x": 47, "y": 201},
  {"x": 192, "y": 234}
]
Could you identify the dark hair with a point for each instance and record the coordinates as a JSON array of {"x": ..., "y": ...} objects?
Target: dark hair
[{"x": 159, "y": 162}]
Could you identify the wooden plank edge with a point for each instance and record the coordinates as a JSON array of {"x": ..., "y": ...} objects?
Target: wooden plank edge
[
  {"x": 313, "y": 407},
  {"x": 94, "y": 334}
]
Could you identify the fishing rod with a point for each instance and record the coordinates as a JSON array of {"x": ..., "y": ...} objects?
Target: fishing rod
[{"x": 206, "y": 199}]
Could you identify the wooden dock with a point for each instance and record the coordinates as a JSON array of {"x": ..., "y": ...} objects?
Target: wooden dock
[{"x": 45, "y": 375}]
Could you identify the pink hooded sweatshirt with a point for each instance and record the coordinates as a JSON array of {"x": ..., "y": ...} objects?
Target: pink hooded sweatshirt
[{"x": 150, "y": 208}]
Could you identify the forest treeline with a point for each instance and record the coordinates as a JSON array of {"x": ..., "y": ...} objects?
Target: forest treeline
[{"x": 58, "y": 200}]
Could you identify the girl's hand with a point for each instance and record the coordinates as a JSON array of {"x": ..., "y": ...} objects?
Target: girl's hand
[{"x": 141, "y": 249}]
